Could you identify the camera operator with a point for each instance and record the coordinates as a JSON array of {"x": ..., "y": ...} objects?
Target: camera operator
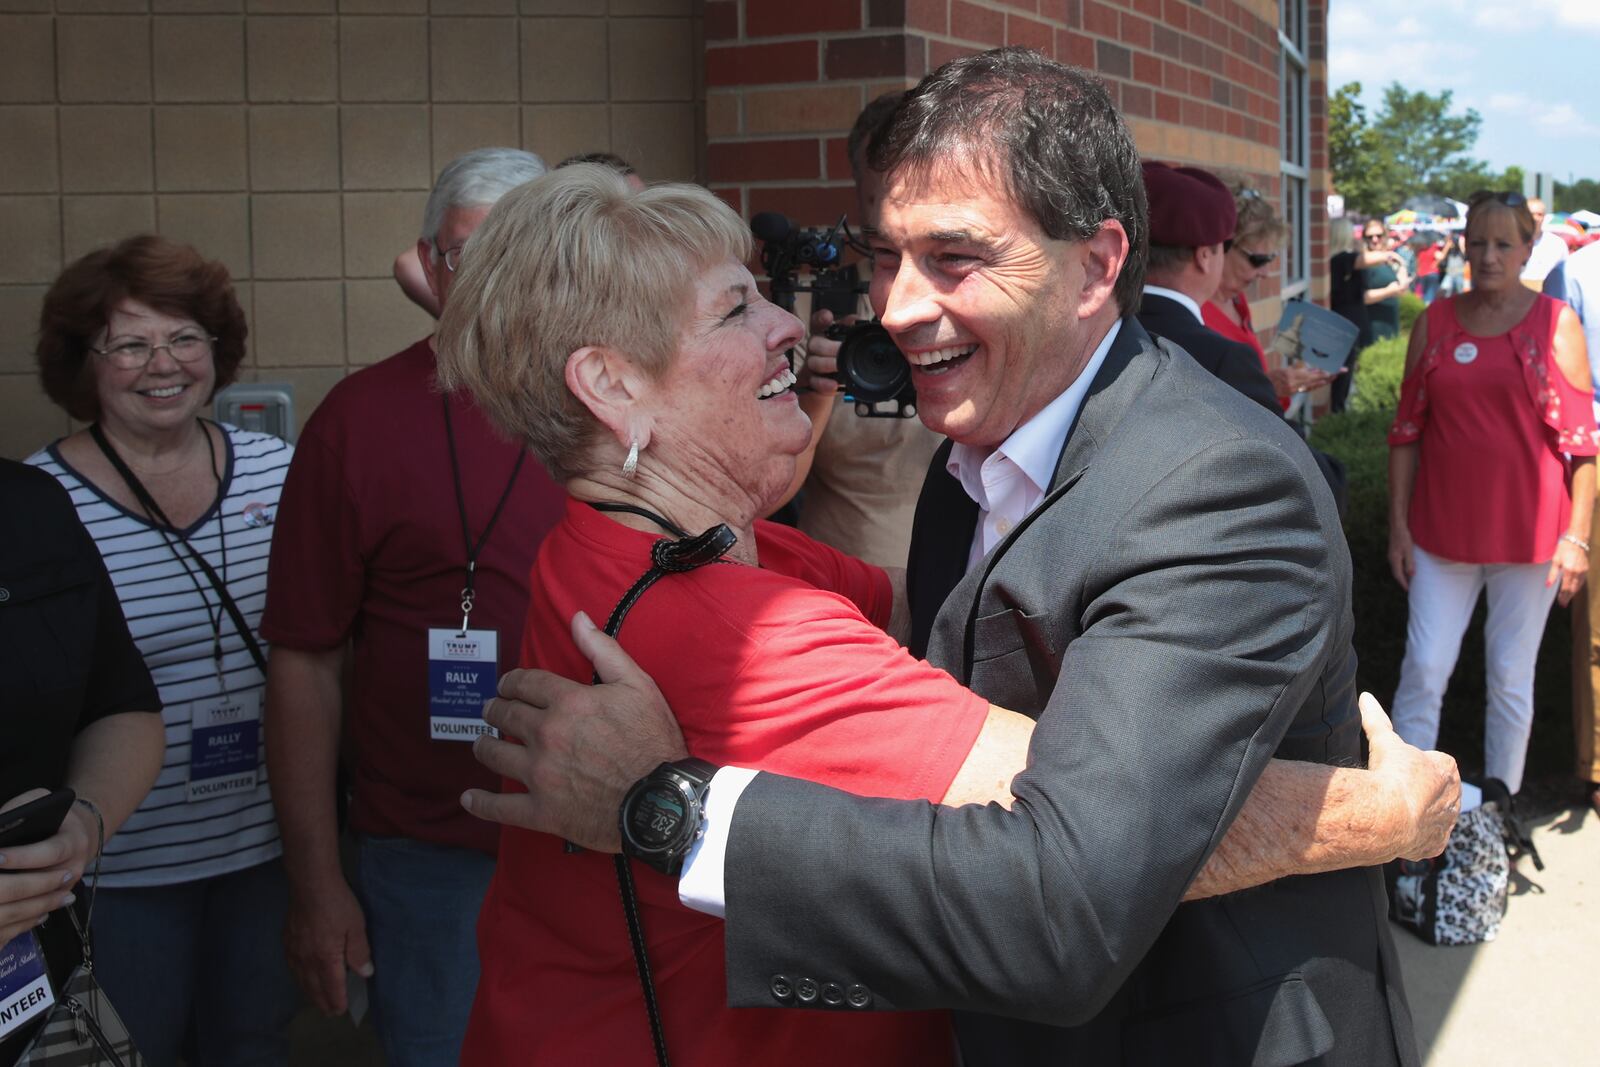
[{"x": 861, "y": 490}]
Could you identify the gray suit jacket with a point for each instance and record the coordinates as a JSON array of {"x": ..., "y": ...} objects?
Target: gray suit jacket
[{"x": 1174, "y": 613}]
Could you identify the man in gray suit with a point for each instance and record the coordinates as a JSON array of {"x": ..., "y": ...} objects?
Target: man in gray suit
[{"x": 1112, "y": 542}]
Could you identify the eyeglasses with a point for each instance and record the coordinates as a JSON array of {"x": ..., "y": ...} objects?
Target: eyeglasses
[
  {"x": 451, "y": 256},
  {"x": 186, "y": 347},
  {"x": 1258, "y": 259},
  {"x": 1372, "y": 237}
]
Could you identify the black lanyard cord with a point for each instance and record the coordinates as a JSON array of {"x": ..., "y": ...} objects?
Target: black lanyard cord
[
  {"x": 644, "y": 513},
  {"x": 168, "y": 530},
  {"x": 473, "y": 551}
]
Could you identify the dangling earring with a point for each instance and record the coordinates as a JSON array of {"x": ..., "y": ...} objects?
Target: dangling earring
[{"x": 631, "y": 464}]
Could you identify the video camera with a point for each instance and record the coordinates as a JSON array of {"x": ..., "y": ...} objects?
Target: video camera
[{"x": 871, "y": 369}]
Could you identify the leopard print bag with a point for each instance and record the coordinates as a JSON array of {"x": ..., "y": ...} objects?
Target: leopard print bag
[{"x": 1459, "y": 896}]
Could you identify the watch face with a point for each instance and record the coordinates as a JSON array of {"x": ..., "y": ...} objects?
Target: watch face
[{"x": 656, "y": 816}]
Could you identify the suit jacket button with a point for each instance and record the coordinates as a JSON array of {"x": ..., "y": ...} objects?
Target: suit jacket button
[
  {"x": 805, "y": 991},
  {"x": 833, "y": 994},
  {"x": 857, "y": 996},
  {"x": 781, "y": 989}
]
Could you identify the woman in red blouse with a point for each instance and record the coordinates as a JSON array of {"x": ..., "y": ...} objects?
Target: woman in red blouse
[
  {"x": 1250, "y": 255},
  {"x": 1491, "y": 481}
]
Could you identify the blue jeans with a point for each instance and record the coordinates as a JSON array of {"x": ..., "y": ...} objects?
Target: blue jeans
[
  {"x": 197, "y": 969},
  {"x": 421, "y": 903}
]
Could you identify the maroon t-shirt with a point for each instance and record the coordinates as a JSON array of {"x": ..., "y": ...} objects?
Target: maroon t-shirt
[{"x": 368, "y": 548}]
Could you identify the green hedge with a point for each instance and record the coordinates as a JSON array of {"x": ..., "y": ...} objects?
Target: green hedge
[{"x": 1357, "y": 437}]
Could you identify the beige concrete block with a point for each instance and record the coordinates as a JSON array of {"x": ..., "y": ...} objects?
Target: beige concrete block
[
  {"x": 29, "y": 420},
  {"x": 298, "y": 324},
  {"x": 383, "y": 59},
  {"x": 291, "y": 58},
  {"x": 379, "y": 321},
  {"x": 472, "y": 7},
  {"x": 213, "y": 7},
  {"x": 563, "y": 59},
  {"x": 385, "y": 146},
  {"x": 218, "y": 224},
  {"x": 32, "y": 225},
  {"x": 199, "y": 58},
  {"x": 200, "y": 148},
  {"x": 679, "y": 8},
  {"x": 103, "y": 57},
  {"x": 106, "y": 149},
  {"x": 295, "y": 235},
  {"x": 659, "y": 139},
  {"x": 722, "y": 115},
  {"x": 557, "y": 131},
  {"x": 652, "y": 59},
  {"x": 28, "y": 159},
  {"x": 27, "y": 60},
  {"x": 291, "y": 7},
  {"x": 378, "y": 227},
  {"x": 92, "y": 222},
  {"x": 459, "y": 128},
  {"x": 294, "y": 146},
  {"x": 102, "y": 7},
  {"x": 383, "y": 7},
  {"x": 563, "y": 7},
  {"x": 474, "y": 59},
  {"x": 19, "y": 326}
]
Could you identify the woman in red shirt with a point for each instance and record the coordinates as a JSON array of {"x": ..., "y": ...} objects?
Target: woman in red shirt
[
  {"x": 1250, "y": 255},
  {"x": 619, "y": 335},
  {"x": 1491, "y": 482}
]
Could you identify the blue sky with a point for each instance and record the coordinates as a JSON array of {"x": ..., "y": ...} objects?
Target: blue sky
[{"x": 1528, "y": 67}]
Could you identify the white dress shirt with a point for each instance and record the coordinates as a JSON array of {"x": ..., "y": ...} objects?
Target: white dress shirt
[
  {"x": 1548, "y": 250},
  {"x": 1183, "y": 298},
  {"x": 1006, "y": 483}
]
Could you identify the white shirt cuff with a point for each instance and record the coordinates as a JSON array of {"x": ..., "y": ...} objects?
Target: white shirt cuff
[{"x": 700, "y": 884}]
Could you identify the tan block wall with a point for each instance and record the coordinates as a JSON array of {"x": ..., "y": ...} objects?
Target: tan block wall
[{"x": 296, "y": 140}]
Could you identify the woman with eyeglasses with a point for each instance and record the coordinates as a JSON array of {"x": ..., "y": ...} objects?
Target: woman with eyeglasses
[
  {"x": 1386, "y": 280},
  {"x": 1491, "y": 482},
  {"x": 190, "y": 901},
  {"x": 1250, "y": 255}
]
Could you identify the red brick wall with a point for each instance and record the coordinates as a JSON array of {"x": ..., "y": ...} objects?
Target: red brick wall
[{"x": 785, "y": 79}]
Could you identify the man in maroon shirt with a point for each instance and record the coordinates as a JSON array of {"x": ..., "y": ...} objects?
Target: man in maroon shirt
[{"x": 404, "y": 539}]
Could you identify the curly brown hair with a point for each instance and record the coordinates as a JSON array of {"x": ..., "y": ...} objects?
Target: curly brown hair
[{"x": 169, "y": 277}]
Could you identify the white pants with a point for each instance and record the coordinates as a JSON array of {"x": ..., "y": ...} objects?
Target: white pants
[{"x": 1442, "y": 597}]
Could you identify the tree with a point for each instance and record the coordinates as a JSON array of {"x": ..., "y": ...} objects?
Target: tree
[
  {"x": 1360, "y": 172},
  {"x": 1583, "y": 194},
  {"x": 1424, "y": 141}
]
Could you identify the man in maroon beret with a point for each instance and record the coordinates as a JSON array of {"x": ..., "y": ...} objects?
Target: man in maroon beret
[{"x": 1191, "y": 221}]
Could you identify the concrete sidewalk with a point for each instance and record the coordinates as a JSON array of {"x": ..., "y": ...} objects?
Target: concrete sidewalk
[{"x": 1526, "y": 997}]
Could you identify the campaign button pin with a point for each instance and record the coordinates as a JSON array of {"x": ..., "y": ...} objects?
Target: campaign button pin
[{"x": 1466, "y": 352}]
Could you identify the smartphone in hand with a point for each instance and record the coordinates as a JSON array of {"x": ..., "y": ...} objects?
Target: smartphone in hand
[{"x": 36, "y": 820}]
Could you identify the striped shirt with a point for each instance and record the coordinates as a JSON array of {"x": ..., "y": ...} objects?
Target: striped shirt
[{"x": 170, "y": 839}]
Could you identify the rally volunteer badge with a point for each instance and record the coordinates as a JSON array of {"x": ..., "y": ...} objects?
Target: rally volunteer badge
[
  {"x": 224, "y": 745},
  {"x": 463, "y": 670},
  {"x": 1466, "y": 352},
  {"x": 25, "y": 991}
]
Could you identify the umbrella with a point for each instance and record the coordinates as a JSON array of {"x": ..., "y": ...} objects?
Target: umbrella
[{"x": 1587, "y": 219}]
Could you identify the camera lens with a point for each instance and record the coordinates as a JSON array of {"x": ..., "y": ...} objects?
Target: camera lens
[{"x": 870, "y": 366}]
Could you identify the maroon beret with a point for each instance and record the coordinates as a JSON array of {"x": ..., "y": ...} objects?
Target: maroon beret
[{"x": 1189, "y": 207}]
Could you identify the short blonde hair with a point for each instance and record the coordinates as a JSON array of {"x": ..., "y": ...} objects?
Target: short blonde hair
[
  {"x": 1257, "y": 219},
  {"x": 571, "y": 259}
]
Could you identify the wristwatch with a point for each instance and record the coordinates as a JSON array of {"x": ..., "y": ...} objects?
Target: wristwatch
[{"x": 664, "y": 813}]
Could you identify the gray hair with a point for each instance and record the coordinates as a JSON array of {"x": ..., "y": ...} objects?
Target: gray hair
[
  {"x": 576, "y": 258},
  {"x": 477, "y": 179}
]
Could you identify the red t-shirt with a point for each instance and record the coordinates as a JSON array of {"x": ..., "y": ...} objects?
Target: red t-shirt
[
  {"x": 1492, "y": 416},
  {"x": 771, "y": 667},
  {"x": 1243, "y": 331},
  {"x": 368, "y": 549}
]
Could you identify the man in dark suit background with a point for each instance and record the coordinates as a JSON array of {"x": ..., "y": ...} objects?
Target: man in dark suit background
[
  {"x": 1168, "y": 594},
  {"x": 1192, "y": 218}
]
